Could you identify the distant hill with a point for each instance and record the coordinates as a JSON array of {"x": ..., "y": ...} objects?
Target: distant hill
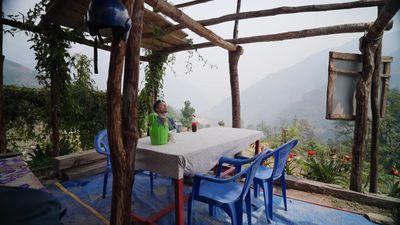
[
  {"x": 17, "y": 74},
  {"x": 298, "y": 91}
]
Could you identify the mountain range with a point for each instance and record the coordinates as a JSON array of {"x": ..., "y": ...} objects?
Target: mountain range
[
  {"x": 17, "y": 74},
  {"x": 298, "y": 91}
]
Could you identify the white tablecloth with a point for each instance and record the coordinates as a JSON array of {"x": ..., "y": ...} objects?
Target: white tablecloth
[{"x": 193, "y": 152}]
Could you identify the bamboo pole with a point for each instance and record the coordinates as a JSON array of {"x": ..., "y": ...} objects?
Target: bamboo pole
[
  {"x": 193, "y": 25},
  {"x": 368, "y": 46},
  {"x": 2, "y": 108},
  {"x": 280, "y": 11},
  {"x": 338, "y": 29}
]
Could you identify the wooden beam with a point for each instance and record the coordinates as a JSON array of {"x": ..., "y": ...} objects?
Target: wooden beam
[
  {"x": 195, "y": 2},
  {"x": 196, "y": 27},
  {"x": 280, "y": 11},
  {"x": 75, "y": 39},
  {"x": 338, "y": 29}
]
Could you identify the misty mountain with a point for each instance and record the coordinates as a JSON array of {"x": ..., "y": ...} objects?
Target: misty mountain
[
  {"x": 298, "y": 91},
  {"x": 19, "y": 75}
]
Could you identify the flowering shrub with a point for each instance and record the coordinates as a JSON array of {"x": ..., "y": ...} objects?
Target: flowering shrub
[
  {"x": 290, "y": 166},
  {"x": 326, "y": 168}
]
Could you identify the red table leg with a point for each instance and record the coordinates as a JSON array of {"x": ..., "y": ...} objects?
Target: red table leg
[
  {"x": 179, "y": 202},
  {"x": 257, "y": 147}
]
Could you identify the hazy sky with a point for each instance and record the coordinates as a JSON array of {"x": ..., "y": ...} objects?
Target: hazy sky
[{"x": 258, "y": 61}]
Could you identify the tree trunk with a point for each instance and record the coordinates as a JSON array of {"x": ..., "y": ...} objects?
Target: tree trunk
[
  {"x": 55, "y": 106},
  {"x": 235, "y": 92},
  {"x": 2, "y": 108},
  {"x": 373, "y": 175}
]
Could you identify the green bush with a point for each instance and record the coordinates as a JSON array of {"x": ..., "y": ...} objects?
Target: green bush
[{"x": 326, "y": 168}]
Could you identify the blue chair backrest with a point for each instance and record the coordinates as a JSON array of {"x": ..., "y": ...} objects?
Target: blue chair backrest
[
  {"x": 251, "y": 172},
  {"x": 280, "y": 157},
  {"x": 101, "y": 145}
]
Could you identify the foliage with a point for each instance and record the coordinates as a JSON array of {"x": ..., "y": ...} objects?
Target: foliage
[
  {"x": 26, "y": 114},
  {"x": 221, "y": 123},
  {"x": 389, "y": 139},
  {"x": 154, "y": 74},
  {"x": 187, "y": 113},
  {"x": 326, "y": 168},
  {"x": 41, "y": 156},
  {"x": 86, "y": 114}
]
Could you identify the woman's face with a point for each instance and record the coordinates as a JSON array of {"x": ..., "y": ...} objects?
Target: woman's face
[{"x": 162, "y": 107}]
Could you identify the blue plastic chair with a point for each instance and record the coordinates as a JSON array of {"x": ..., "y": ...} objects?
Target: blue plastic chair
[
  {"x": 266, "y": 176},
  {"x": 101, "y": 146},
  {"x": 226, "y": 193}
]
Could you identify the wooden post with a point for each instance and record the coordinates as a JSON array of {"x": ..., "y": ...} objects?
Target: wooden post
[
  {"x": 2, "y": 108},
  {"x": 122, "y": 122},
  {"x": 376, "y": 115},
  {"x": 368, "y": 46},
  {"x": 122, "y": 174},
  {"x": 55, "y": 85},
  {"x": 373, "y": 173},
  {"x": 236, "y": 26},
  {"x": 234, "y": 79}
]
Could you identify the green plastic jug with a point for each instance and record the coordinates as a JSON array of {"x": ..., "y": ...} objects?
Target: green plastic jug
[{"x": 158, "y": 131}]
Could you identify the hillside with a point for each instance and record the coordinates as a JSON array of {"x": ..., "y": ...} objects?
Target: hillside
[
  {"x": 298, "y": 91},
  {"x": 17, "y": 74}
]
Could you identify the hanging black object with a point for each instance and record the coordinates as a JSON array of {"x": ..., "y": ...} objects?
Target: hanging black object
[{"x": 104, "y": 14}]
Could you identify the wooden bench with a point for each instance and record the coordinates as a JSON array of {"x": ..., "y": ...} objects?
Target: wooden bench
[{"x": 80, "y": 164}]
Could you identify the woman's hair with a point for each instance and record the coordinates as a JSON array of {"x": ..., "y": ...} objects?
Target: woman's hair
[{"x": 158, "y": 102}]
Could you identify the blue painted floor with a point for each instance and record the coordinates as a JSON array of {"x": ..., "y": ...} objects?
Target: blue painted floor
[{"x": 89, "y": 191}]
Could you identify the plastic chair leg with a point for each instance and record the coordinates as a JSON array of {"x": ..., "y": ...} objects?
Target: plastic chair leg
[
  {"x": 256, "y": 189},
  {"x": 189, "y": 213},
  {"x": 270, "y": 187},
  {"x": 211, "y": 210},
  {"x": 248, "y": 207},
  {"x": 283, "y": 185},
  {"x": 266, "y": 202},
  {"x": 151, "y": 182},
  {"x": 230, "y": 209},
  {"x": 105, "y": 184}
]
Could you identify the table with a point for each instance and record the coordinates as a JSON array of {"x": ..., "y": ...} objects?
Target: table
[
  {"x": 192, "y": 152},
  {"x": 14, "y": 172}
]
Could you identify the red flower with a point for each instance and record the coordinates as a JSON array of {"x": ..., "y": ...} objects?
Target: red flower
[
  {"x": 394, "y": 171},
  {"x": 348, "y": 157},
  {"x": 311, "y": 153},
  {"x": 291, "y": 155}
]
